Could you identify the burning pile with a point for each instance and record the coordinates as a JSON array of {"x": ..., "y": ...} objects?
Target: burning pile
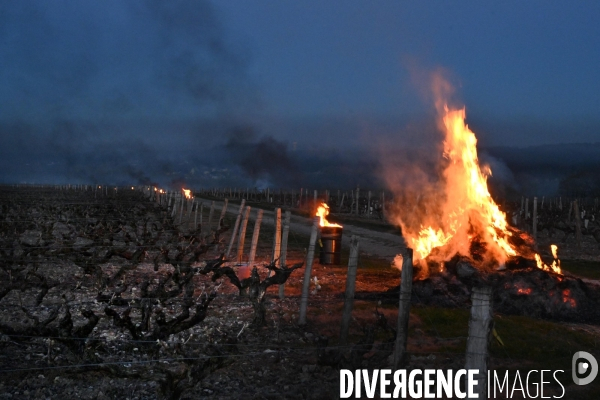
[{"x": 460, "y": 217}]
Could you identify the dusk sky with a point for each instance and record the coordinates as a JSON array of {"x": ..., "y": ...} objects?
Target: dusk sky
[
  {"x": 166, "y": 92},
  {"x": 533, "y": 63}
]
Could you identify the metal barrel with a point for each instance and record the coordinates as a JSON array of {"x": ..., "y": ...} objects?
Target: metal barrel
[{"x": 331, "y": 240}]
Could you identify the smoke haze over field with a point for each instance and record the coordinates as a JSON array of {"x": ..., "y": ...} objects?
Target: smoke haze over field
[{"x": 289, "y": 95}]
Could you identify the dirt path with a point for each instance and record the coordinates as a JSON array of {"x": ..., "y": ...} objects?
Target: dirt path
[{"x": 372, "y": 243}]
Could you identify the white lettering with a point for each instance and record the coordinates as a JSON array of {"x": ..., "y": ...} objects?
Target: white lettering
[
  {"x": 472, "y": 381},
  {"x": 542, "y": 384},
  {"x": 399, "y": 383},
  {"x": 346, "y": 377},
  {"x": 384, "y": 383},
  {"x": 504, "y": 383},
  {"x": 444, "y": 383},
  {"x": 457, "y": 378},
  {"x": 517, "y": 377},
  {"x": 536, "y": 385},
  {"x": 428, "y": 383},
  {"x": 370, "y": 384},
  {"x": 431, "y": 384},
  {"x": 412, "y": 384},
  {"x": 556, "y": 379}
]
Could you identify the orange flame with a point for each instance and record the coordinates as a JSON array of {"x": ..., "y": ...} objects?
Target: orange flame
[
  {"x": 555, "y": 266},
  {"x": 322, "y": 213},
  {"x": 188, "y": 193},
  {"x": 469, "y": 209},
  {"x": 462, "y": 209}
]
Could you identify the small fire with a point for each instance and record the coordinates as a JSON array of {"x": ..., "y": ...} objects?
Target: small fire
[
  {"x": 322, "y": 213},
  {"x": 555, "y": 266},
  {"x": 188, "y": 193}
]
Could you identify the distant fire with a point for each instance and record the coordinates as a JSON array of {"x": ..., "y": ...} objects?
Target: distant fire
[
  {"x": 457, "y": 214},
  {"x": 322, "y": 213},
  {"x": 188, "y": 193}
]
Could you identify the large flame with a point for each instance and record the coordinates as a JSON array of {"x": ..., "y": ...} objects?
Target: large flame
[
  {"x": 322, "y": 213},
  {"x": 469, "y": 209},
  {"x": 462, "y": 212},
  {"x": 188, "y": 193}
]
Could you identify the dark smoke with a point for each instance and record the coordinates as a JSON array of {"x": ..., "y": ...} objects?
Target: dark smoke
[
  {"x": 114, "y": 91},
  {"x": 263, "y": 158},
  {"x": 561, "y": 170}
]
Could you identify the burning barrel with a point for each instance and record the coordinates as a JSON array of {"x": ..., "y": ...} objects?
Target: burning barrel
[
  {"x": 331, "y": 245},
  {"x": 331, "y": 238}
]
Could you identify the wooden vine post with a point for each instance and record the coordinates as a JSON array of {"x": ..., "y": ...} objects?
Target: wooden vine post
[
  {"x": 277, "y": 236},
  {"x": 235, "y": 228},
  {"x": 309, "y": 263},
  {"x": 284, "y": 245},
  {"x": 350, "y": 287},
  {"x": 223, "y": 211},
  {"x": 400, "y": 355},
  {"x": 241, "y": 239},
  {"x": 480, "y": 329},
  {"x": 255, "y": 234}
]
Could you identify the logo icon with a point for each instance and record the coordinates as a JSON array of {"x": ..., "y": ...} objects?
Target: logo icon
[{"x": 584, "y": 364}]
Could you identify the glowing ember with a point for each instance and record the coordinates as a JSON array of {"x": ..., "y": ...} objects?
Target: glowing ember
[
  {"x": 526, "y": 291},
  {"x": 566, "y": 298},
  {"x": 322, "y": 213},
  {"x": 459, "y": 212},
  {"x": 188, "y": 193}
]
